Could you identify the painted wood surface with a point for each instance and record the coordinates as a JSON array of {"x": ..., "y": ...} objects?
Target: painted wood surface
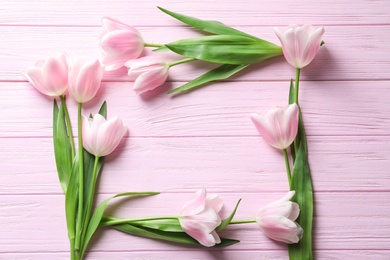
[{"x": 178, "y": 144}]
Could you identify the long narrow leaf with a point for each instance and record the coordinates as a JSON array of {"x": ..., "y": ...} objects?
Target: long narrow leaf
[
  {"x": 98, "y": 214},
  {"x": 226, "y": 49},
  {"x": 177, "y": 237},
  {"x": 71, "y": 201},
  {"x": 291, "y": 101},
  {"x": 219, "y": 73},
  {"x": 302, "y": 184},
  {"x": 62, "y": 146},
  {"x": 213, "y": 27},
  {"x": 226, "y": 221}
]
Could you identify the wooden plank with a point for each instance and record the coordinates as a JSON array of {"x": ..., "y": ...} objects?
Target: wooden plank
[
  {"x": 367, "y": 48},
  {"x": 340, "y": 222},
  {"x": 222, "y": 109},
  {"x": 207, "y": 254},
  {"x": 337, "y": 163},
  {"x": 82, "y": 12}
]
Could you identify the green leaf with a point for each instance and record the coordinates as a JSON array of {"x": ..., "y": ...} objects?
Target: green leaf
[
  {"x": 226, "y": 49},
  {"x": 98, "y": 214},
  {"x": 161, "y": 49},
  {"x": 226, "y": 221},
  {"x": 71, "y": 201},
  {"x": 302, "y": 184},
  {"x": 168, "y": 225},
  {"x": 213, "y": 27},
  {"x": 177, "y": 237},
  {"x": 62, "y": 146},
  {"x": 103, "y": 110},
  {"x": 219, "y": 73}
]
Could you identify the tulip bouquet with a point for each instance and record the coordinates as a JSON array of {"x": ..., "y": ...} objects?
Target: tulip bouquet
[{"x": 287, "y": 220}]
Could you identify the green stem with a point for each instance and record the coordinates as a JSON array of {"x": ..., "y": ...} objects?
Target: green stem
[
  {"x": 146, "y": 44},
  {"x": 68, "y": 124},
  {"x": 287, "y": 166},
  {"x": 72, "y": 253},
  {"x": 297, "y": 74},
  {"x": 81, "y": 180},
  {"x": 130, "y": 220},
  {"x": 181, "y": 62},
  {"x": 244, "y": 221}
]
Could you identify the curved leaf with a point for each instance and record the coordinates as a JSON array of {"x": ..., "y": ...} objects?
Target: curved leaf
[
  {"x": 302, "y": 184},
  {"x": 213, "y": 27},
  {"x": 226, "y": 221},
  {"x": 62, "y": 146},
  {"x": 226, "y": 49},
  {"x": 222, "y": 72},
  {"x": 177, "y": 237},
  {"x": 98, "y": 214}
]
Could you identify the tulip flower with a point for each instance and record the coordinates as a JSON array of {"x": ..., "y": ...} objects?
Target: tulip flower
[
  {"x": 199, "y": 217},
  {"x": 50, "y": 77},
  {"x": 277, "y": 220},
  {"x": 101, "y": 136},
  {"x": 84, "y": 79},
  {"x": 119, "y": 43},
  {"x": 300, "y": 43},
  {"x": 278, "y": 126},
  {"x": 148, "y": 72}
]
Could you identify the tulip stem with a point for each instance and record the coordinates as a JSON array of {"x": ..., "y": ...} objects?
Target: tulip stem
[
  {"x": 146, "y": 44},
  {"x": 244, "y": 221},
  {"x": 297, "y": 74},
  {"x": 181, "y": 62},
  {"x": 68, "y": 124},
  {"x": 117, "y": 221},
  {"x": 287, "y": 166},
  {"x": 81, "y": 180}
]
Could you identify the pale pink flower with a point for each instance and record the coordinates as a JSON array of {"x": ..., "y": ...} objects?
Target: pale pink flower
[
  {"x": 101, "y": 136},
  {"x": 148, "y": 72},
  {"x": 84, "y": 79},
  {"x": 300, "y": 43},
  {"x": 50, "y": 77},
  {"x": 279, "y": 126},
  {"x": 199, "y": 217},
  {"x": 277, "y": 220},
  {"x": 119, "y": 43}
]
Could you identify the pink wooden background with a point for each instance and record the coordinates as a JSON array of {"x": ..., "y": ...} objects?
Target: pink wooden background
[{"x": 179, "y": 144}]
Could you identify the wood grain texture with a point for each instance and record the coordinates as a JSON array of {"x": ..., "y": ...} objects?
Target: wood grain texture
[
  {"x": 216, "y": 110},
  {"x": 334, "y": 229},
  {"x": 82, "y": 12},
  {"x": 337, "y": 164},
  {"x": 177, "y": 144},
  {"x": 350, "y": 53}
]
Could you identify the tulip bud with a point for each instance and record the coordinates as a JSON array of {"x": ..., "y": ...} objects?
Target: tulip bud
[
  {"x": 148, "y": 72},
  {"x": 50, "y": 77},
  {"x": 101, "y": 136},
  {"x": 276, "y": 220},
  {"x": 300, "y": 43},
  {"x": 119, "y": 43},
  {"x": 199, "y": 217},
  {"x": 84, "y": 79},
  {"x": 279, "y": 126}
]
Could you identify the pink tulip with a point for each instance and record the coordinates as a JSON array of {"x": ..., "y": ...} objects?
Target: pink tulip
[
  {"x": 50, "y": 77},
  {"x": 277, "y": 220},
  {"x": 148, "y": 72},
  {"x": 84, "y": 79},
  {"x": 300, "y": 43},
  {"x": 199, "y": 217},
  {"x": 101, "y": 136},
  {"x": 119, "y": 43},
  {"x": 278, "y": 126}
]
